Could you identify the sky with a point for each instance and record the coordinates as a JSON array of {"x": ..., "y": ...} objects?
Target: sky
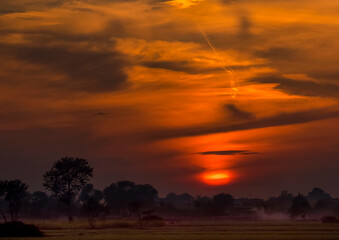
[{"x": 198, "y": 96}]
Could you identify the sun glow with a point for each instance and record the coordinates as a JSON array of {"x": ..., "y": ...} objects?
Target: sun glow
[{"x": 216, "y": 178}]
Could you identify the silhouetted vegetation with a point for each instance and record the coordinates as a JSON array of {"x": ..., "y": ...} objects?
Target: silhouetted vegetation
[
  {"x": 19, "y": 229},
  {"x": 12, "y": 193},
  {"x": 73, "y": 196},
  {"x": 329, "y": 219},
  {"x": 280, "y": 204},
  {"x": 126, "y": 197},
  {"x": 224, "y": 203},
  {"x": 66, "y": 179},
  {"x": 92, "y": 204},
  {"x": 300, "y": 207}
]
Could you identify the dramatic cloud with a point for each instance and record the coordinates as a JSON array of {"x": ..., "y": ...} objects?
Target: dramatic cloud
[
  {"x": 278, "y": 54},
  {"x": 135, "y": 83},
  {"x": 272, "y": 121},
  {"x": 237, "y": 113},
  {"x": 299, "y": 87},
  {"x": 180, "y": 66},
  {"x": 87, "y": 70},
  {"x": 228, "y": 152}
]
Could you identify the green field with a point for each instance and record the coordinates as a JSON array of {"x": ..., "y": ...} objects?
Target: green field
[{"x": 194, "y": 230}]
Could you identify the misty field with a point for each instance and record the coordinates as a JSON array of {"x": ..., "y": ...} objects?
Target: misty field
[{"x": 191, "y": 230}]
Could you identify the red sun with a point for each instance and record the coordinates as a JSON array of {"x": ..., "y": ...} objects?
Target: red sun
[{"x": 216, "y": 177}]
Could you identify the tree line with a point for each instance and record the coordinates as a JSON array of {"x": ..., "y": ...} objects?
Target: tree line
[{"x": 71, "y": 194}]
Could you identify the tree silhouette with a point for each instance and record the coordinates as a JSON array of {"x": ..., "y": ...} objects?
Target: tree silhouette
[
  {"x": 281, "y": 203},
  {"x": 13, "y": 192},
  {"x": 184, "y": 200},
  {"x": 42, "y": 205},
  {"x": 223, "y": 201},
  {"x": 91, "y": 201},
  {"x": 2, "y": 194},
  {"x": 66, "y": 179},
  {"x": 300, "y": 207},
  {"x": 127, "y": 196},
  {"x": 135, "y": 209},
  {"x": 318, "y": 194}
]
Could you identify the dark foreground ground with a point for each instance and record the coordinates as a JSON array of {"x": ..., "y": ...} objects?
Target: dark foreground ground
[{"x": 194, "y": 230}]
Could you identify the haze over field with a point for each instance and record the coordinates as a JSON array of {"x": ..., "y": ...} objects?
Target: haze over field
[{"x": 200, "y": 96}]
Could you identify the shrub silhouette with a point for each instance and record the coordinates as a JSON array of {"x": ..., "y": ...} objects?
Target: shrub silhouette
[
  {"x": 19, "y": 229},
  {"x": 329, "y": 219}
]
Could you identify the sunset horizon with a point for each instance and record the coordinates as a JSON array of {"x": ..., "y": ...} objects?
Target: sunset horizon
[{"x": 196, "y": 96}]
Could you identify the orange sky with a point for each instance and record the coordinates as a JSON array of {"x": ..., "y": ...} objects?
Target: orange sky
[{"x": 173, "y": 93}]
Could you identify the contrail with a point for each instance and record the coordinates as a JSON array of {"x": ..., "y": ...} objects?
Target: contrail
[
  {"x": 221, "y": 63},
  {"x": 228, "y": 71}
]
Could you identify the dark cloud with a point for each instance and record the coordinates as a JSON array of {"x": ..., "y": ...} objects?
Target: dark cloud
[
  {"x": 245, "y": 25},
  {"x": 282, "y": 119},
  {"x": 32, "y": 5},
  {"x": 8, "y": 10},
  {"x": 87, "y": 70},
  {"x": 238, "y": 113},
  {"x": 228, "y": 152},
  {"x": 298, "y": 87},
  {"x": 179, "y": 66},
  {"x": 10, "y": 6},
  {"x": 278, "y": 53},
  {"x": 229, "y": 1},
  {"x": 331, "y": 75},
  {"x": 191, "y": 67},
  {"x": 100, "y": 114}
]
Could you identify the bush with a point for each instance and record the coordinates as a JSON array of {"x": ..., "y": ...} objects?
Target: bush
[
  {"x": 329, "y": 219},
  {"x": 19, "y": 229}
]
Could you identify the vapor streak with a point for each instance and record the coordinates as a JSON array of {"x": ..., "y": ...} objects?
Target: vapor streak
[{"x": 221, "y": 62}]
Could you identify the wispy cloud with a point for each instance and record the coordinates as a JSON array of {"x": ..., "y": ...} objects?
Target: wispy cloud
[
  {"x": 228, "y": 152},
  {"x": 282, "y": 119}
]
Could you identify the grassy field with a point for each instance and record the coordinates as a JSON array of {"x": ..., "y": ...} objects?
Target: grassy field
[{"x": 192, "y": 230}]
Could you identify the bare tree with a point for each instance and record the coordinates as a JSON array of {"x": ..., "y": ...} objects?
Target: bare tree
[{"x": 13, "y": 193}]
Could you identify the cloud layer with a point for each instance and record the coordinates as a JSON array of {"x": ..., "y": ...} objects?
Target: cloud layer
[{"x": 129, "y": 84}]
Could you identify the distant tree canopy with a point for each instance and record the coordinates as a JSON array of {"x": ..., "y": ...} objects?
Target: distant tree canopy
[
  {"x": 123, "y": 195},
  {"x": 12, "y": 192},
  {"x": 41, "y": 205},
  {"x": 300, "y": 207},
  {"x": 91, "y": 202},
  {"x": 184, "y": 200},
  {"x": 318, "y": 194},
  {"x": 222, "y": 204},
  {"x": 66, "y": 179},
  {"x": 224, "y": 201},
  {"x": 280, "y": 204},
  {"x": 89, "y": 192}
]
